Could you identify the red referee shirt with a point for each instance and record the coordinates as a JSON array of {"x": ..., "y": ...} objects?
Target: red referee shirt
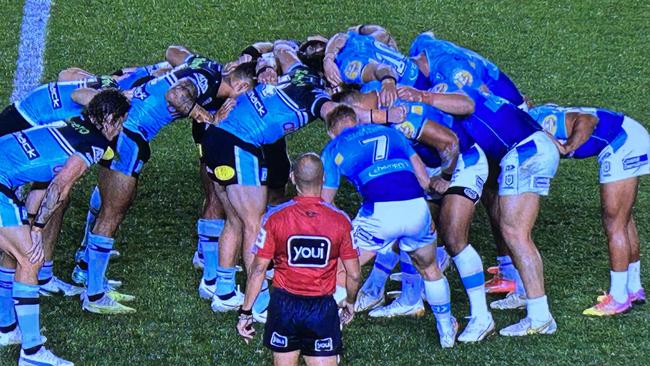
[{"x": 304, "y": 237}]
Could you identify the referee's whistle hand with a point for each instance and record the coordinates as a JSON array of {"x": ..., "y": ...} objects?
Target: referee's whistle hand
[{"x": 245, "y": 329}]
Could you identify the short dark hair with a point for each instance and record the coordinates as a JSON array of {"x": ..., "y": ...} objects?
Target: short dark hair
[
  {"x": 338, "y": 114},
  {"x": 244, "y": 72},
  {"x": 108, "y": 102},
  {"x": 314, "y": 60},
  {"x": 308, "y": 170},
  {"x": 347, "y": 94}
]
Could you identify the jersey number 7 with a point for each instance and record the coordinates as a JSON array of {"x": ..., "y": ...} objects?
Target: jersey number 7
[{"x": 381, "y": 147}]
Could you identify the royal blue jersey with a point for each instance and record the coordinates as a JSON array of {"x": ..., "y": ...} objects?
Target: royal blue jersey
[
  {"x": 53, "y": 102},
  {"x": 268, "y": 112},
  {"x": 609, "y": 129},
  {"x": 150, "y": 111},
  {"x": 496, "y": 125},
  {"x": 376, "y": 159},
  {"x": 361, "y": 50},
  {"x": 38, "y": 154}
]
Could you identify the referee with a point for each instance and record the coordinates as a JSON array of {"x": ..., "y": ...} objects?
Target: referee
[{"x": 304, "y": 238}]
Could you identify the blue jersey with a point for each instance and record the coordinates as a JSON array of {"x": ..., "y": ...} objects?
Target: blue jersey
[
  {"x": 126, "y": 82},
  {"x": 38, "y": 154},
  {"x": 496, "y": 125},
  {"x": 268, "y": 112},
  {"x": 360, "y": 50},
  {"x": 609, "y": 129},
  {"x": 376, "y": 159},
  {"x": 150, "y": 111},
  {"x": 53, "y": 102}
]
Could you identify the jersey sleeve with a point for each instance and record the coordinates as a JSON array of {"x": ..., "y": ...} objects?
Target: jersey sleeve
[
  {"x": 318, "y": 97},
  {"x": 347, "y": 249},
  {"x": 351, "y": 68},
  {"x": 265, "y": 243},
  {"x": 459, "y": 72},
  {"x": 331, "y": 169}
]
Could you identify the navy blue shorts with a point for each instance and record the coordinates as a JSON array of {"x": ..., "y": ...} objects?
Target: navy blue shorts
[
  {"x": 12, "y": 121},
  {"x": 130, "y": 153},
  {"x": 310, "y": 325}
]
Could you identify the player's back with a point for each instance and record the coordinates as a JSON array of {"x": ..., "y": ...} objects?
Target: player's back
[{"x": 376, "y": 159}]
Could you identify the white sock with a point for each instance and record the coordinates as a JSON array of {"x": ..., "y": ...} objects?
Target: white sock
[
  {"x": 470, "y": 269},
  {"x": 439, "y": 298},
  {"x": 618, "y": 286},
  {"x": 538, "y": 311},
  {"x": 340, "y": 294},
  {"x": 634, "y": 277}
]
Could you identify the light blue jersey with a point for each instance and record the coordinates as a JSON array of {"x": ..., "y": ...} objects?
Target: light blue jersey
[
  {"x": 376, "y": 159},
  {"x": 609, "y": 129}
]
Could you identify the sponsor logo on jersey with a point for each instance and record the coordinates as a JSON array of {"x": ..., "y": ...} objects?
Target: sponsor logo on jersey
[
  {"x": 27, "y": 146},
  {"x": 417, "y": 109},
  {"x": 308, "y": 251},
  {"x": 260, "y": 239},
  {"x": 55, "y": 98},
  {"x": 278, "y": 340},
  {"x": 541, "y": 182},
  {"x": 407, "y": 129},
  {"x": 387, "y": 168},
  {"x": 509, "y": 180},
  {"x": 224, "y": 172},
  {"x": 264, "y": 174},
  {"x": 440, "y": 88},
  {"x": 322, "y": 345},
  {"x": 256, "y": 101},
  {"x": 470, "y": 193},
  {"x": 79, "y": 128},
  {"x": 352, "y": 70},
  {"x": 479, "y": 183},
  {"x": 635, "y": 162},
  {"x": 338, "y": 160},
  {"x": 549, "y": 124},
  {"x": 140, "y": 93},
  {"x": 201, "y": 83},
  {"x": 462, "y": 78}
]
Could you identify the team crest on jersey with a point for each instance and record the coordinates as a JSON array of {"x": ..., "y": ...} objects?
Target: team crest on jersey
[
  {"x": 509, "y": 180},
  {"x": 323, "y": 345},
  {"x": 140, "y": 93},
  {"x": 407, "y": 129},
  {"x": 441, "y": 88},
  {"x": 201, "y": 83},
  {"x": 353, "y": 69},
  {"x": 27, "y": 146},
  {"x": 55, "y": 98},
  {"x": 549, "y": 124},
  {"x": 98, "y": 153},
  {"x": 224, "y": 172},
  {"x": 417, "y": 109},
  {"x": 338, "y": 159},
  {"x": 269, "y": 90},
  {"x": 462, "y": 78},
  {"x": 308, "y": 251}
]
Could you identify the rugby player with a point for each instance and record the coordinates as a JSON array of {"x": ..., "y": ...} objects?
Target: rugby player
[
  {"x": 59, "y": 155},
  {"x": 622, "y": 146},
  {"x": 155, "y": 104},
  {"x": 235, "y": 160},
  {"x": 304, "y": 238},
  {"x": 391, "y": 179}
]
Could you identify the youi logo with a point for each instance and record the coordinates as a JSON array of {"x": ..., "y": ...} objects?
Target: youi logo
[{"x": 308, "y": 251}]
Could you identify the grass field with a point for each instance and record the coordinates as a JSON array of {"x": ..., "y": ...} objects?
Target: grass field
[{"x": 572, "y": 52}]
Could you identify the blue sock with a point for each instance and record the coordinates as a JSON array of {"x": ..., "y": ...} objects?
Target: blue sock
[
  {"x": 411, "y": 281},
  {"x": 209, "y": 231},
  {"x": 225, "y": 281},
  {"x": 99, "y": 251},
  {"x": 28, "y": 314},
  {"x": 7, "y": 312},
  {"x": 384, "y": 264},
  {"x": 46, "y": 272},
  {"x": 93, "y": 209},
  {"x": 262, "y": 302}
]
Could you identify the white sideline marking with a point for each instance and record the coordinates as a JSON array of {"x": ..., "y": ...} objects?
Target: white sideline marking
[{"x": 31, "y": 49}]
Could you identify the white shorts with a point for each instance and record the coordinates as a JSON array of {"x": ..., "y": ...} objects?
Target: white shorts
[
  {"x": 377, "y": 227},
  {"x": 629, "y": 159},
  {"x": 529, "y": 166},
  {"x": 471, "y": 173}
]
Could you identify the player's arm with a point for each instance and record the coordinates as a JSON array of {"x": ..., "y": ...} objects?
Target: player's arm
[
  {"x": 73, "y": 74},
  {"x": 352, "y": 278},
  {"x": 83, "y": 96},
  {"x": 57, "y": 192},
  {"x": 420, "y": 171},
  {"x": 267, "y": 69},
  {"x": 445, "y": 142},
  {"x": 388, "y": 77},
  {"x": 454, "y": 103},
  {"x": 256, "y": 275},
  {"x": 285, "y": 55},
  {"x": 334, "y": 46},
  {"x": 182, "y": 96},
  {"x": 581, "y": 127},
  {"x": 176, "y": 55}
]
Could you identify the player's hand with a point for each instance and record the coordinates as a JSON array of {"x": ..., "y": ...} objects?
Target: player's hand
[
  {"x": 388, "y": 93},
  {"x": 268, "y": 76},
  {"x": 36, "y": 253},
  {"x": 245, "y": 327},
  {"x": 438, "y": 184},
  {"x": 224, "y": 111},
  {"x": 397, "y": 114},
  {"x": 347, "y": 312},
  {"x": 409, "y": 93},
  {"x": 560, "y": 147},
  {"x": 230, "y": 66},
  {"x": 332, "y": 73}
]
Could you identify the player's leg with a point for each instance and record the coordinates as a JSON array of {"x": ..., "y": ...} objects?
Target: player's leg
[
  {"x": 9, "y": 331},
  {"x": 286, "y": 358},
  {"x": 209, "y": 229},
  {"x": 409, "y": 302},
  {"x": 634, "y": 286},
  {"x": 80, "y": 272},
  {"x": 320, "y": 361},
  {"x": 278, "y": 169},
  {"x": 371, "y": 294}
]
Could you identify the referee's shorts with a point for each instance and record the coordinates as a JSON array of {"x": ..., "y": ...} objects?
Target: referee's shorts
[{"x": 309, "y": 324}]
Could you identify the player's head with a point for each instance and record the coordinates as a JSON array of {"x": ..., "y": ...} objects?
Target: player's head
[
  {"x": 340, "y": 118},
  {"x": 312, "y": 52},
  {"x": 307, "y": 174},
  {"x": 351, "y": 95},
  {"x": 241, "y": 79},
  {"x": 107, "y": 111}
]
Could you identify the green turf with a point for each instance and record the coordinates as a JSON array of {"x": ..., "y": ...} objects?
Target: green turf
[
  {"x": 582, "y": 52},
  {"x": 9, "y": 34}
]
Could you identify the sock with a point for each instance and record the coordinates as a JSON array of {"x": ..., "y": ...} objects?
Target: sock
[
  {"x": 439, "y": 298},
  {"x": 508, "y": 271},
  {"x": 618, "y": 286},
  {"x": 384, "y": 264},
  {"x": 28, "y": 313},
  {"x": 262, "y": 302},
  {"x": 46, "y": 272},
  {"x": 7, "y": 312},
  {"x": 634, "y": 277},
  {"x": 225, "y": 282},
  {"x": 209, "y": 231},
  {"x": 470, "y": 269},
  {"x": 441, "y": 256},
  {"x": 411, "y": 281},
  {"x": 99, "y": 251},
  {"x": 538, "y": 311},
  {"x": 91, "y": 217}
]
